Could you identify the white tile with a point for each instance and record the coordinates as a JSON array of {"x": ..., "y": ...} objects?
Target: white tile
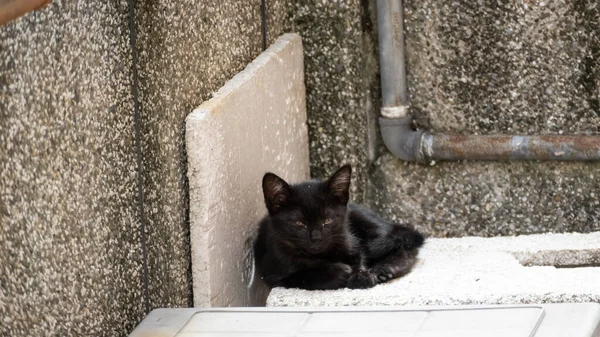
[
  {"x": 375, "y": 322},
  {"x": 247, "y": 322}
]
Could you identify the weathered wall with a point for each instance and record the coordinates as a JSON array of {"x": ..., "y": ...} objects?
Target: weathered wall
[
  {"x": 527, "y": 67},
  {"x": 187, "y": 50},
  {"x": 71, "y": 257},
  {"x": 340, "y": 73},
  {"x": 69, "y": 219},
  {"x": 492, "y": 67}
]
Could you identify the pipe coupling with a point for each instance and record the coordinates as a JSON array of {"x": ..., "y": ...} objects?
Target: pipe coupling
[{"x": 399, "y": 111}]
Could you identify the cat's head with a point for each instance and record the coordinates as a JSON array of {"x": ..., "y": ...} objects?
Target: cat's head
[{"x": 310, "y": 215}]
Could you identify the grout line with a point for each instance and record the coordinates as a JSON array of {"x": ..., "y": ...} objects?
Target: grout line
[
  {"x": 140, "y": 181},
  {"x": 263, "y": 18}
]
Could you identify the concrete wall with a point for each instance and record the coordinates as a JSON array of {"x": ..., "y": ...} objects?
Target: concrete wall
[
  {"x": 528, "y": 67},
  {"x": 341, "y": 73},
  {"x": 525, "y": 67},
  {"x": 71, "y": 259},
  {"x": 187, "y": 50},
  {"x": 69, "y": 213}
]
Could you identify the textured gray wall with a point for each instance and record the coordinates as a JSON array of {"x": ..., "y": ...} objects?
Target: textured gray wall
[
  {"x": 482, "y": 67},
  {"x": 340, "y": 74},
  {"x": 187, "y": 50},
  {"x": 69, "y": 218},
  {"x": 71, "y": 256},
  {"x": 494, "y": 67}
]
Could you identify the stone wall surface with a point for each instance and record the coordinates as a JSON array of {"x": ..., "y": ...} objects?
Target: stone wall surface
[
  {"x": 487, "y": 67},
  {"x": 516, "y": 67},
  {"x": 187, "y": 51},
  {"x": 70, "y": 219},
  {"x": 340, "y": 65},
  {"x": 70, "y": 222}
]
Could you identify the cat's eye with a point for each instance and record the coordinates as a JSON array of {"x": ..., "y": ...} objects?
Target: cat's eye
[
  {"x": 300, "y": 223},
  {"x": 327, "y": 221}
]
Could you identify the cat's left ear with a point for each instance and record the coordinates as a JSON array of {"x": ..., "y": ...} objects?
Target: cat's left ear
[{"x": 339, "y": 184}]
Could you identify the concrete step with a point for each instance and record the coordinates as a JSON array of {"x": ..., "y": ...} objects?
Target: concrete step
[{"x": 545, "y": 268}]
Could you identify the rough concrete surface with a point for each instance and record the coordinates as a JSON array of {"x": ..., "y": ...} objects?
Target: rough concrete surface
[
  {"x": 487, "y": 199},
  {"x": 473, "y": 68},
  {"x": 69, "y": 219},
  {"x": 528, "y": 67},
  {"x": 70, "y": 257},
  {"x": 476, "y": 270},
  {"x": 254, "y": 124},
  {"x": 187, "y": 50},
  {"x": 340, "y": 73}
]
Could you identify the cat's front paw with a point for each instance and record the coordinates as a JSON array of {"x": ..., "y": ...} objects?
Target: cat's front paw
[
  {"x": 361, "y": 280},
  {"x": 383, "y": 273},
  {"x": 341, "y": 268},
  {"x": 338, "y": 275}
]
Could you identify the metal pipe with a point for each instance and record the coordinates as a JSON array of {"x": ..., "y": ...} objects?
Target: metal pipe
[
  {"x": 510, "y": 147},
  {"x": 399, "y": 137},
  {"x": 419, "y": 146},
  {"x": 394, "y": 93}
]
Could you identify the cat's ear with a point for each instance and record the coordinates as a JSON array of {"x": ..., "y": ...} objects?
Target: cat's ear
[
  {"x": 276, "y": 191},
  {"x": 339, "y": 184}
]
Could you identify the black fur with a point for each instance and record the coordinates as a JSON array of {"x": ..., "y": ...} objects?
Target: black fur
[{"x": 313, "y": 239}]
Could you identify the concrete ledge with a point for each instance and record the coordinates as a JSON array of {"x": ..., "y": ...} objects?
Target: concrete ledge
[
  {"x": 255, "y": 123},
  {"x": 474, "y": 270}
]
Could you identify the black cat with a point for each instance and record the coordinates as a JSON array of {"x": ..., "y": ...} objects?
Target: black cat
[{"x": 313, "y": 239}]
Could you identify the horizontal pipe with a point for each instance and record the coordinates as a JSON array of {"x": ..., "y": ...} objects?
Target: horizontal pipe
[
  {"x": 419, "y": 146},
  {"x": 509, "y": 147},
  {"x": 394, "y": 92}
]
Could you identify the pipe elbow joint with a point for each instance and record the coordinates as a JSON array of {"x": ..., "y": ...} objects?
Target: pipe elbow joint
[{"x": 401, "y": 140}]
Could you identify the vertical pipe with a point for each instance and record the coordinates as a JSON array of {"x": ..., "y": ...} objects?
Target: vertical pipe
[
  {"x": 420, "y": 146},
  {"x": 394, "y": 93}
]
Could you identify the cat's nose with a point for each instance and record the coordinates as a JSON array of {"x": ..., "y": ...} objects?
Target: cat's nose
[{"x": 315, "y": 235}]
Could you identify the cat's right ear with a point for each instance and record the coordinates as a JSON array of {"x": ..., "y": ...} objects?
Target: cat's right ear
[{"x": 276, "y": 192}]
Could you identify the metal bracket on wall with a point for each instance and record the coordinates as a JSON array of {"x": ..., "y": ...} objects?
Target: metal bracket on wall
[{"x": 420, "y": 146}]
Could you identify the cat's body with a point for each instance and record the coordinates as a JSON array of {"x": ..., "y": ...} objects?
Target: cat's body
[{"x": 313, "y": 239}]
